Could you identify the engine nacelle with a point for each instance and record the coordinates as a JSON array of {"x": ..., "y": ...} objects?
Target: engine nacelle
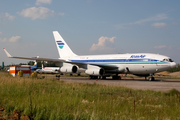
[
  {"x": 94, "y": 70},
  {"x": 69, "y": 69}
]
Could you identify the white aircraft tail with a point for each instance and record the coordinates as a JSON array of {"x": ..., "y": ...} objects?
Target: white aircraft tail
[{"x": 63, "y": 48}]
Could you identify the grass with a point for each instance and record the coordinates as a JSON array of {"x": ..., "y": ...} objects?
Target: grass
[{"x": 51, "y": 99}]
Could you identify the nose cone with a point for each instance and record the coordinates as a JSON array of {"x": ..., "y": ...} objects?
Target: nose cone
[{"x": 173, "y": 64}]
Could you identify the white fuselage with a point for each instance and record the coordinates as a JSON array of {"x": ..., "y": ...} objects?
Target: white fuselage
[
  {"x": 139, "y": 63},
  {"x": 48, "y": 70}
]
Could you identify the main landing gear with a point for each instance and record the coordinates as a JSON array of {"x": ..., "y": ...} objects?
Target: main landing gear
[
  {"x": 151, "y": 78},
  {"x": 97, "y": 77},
  {"x": 115, "y": 77},
  {"x": 93, "y": 77}
]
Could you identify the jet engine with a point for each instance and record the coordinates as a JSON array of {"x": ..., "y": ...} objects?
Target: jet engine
[
  {"x": 94, "y": 70},
  {"x": 68, "y": 68}
]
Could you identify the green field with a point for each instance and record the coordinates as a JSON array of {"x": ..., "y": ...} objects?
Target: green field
[{"x": 50, "y": 99}]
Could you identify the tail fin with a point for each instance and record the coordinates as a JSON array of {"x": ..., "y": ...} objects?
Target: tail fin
[
  {"x": 35, "y": 64},
  {"x": 63, "y": 48},
  {"x": 34, "y": 67}
]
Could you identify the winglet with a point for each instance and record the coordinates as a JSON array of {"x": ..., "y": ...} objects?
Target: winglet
[{"x": 7, "y": 53}]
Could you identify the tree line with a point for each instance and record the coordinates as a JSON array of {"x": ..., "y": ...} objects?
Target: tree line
[{"x": 31, "y": 63}]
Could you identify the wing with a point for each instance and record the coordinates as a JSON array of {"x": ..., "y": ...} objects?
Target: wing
[
  {"x": 106, "y": 67},
  {"x": 35, "y": 58}
]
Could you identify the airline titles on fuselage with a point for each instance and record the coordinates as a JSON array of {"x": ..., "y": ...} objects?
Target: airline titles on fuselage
[{"x": 138, "y": 56}]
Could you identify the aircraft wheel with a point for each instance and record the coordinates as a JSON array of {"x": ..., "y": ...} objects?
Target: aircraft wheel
[
  {"x": 93, "y": 77},
  {"x": 115, "y": 77},
  {"x": 151, "y": 79}
]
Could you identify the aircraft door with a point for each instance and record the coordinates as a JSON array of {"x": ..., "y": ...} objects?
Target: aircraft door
[
  {"x": 153, "y": 65},
  {"x": 127, "y": 66}
]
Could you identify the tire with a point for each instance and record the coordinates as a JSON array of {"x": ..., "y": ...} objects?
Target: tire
[
  {"x": 151, "y": 78},
  {"x": 115, "y": 77},
  {"x": 93, "y": 77}
]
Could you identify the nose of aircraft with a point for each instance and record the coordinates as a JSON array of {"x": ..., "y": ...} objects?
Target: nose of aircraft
[{"x": 173, "y": 64}]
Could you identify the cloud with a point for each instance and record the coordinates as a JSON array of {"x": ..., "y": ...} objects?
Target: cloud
[
  {"x": 174, "y": 23},
  {"x": 6, "y": 16},
  {"x": 3, "y": 39},
  {"x": 14, "y": 39},
  {"x": 61, "y": 14},
  {"x": 159, "y": 25},
  {"x": 9, "y": 17},
  {"x": 38, "y": 2},
  {"x": 154, "y": 18},
  {"x": 140, "y": 22},
  {"x": 37, "y": 13},
  {"x": 160, "y": 47},
  {"x": 105, "y": 44}
]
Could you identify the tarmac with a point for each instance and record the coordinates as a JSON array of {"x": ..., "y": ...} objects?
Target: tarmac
[{"x": 160, "y": 84}]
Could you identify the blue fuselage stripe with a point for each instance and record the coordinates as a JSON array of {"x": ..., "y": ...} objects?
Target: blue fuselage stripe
[{"x": 121, "y": 61}]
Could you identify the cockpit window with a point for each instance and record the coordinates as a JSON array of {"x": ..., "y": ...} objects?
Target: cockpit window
[
  {"x": 165, "y": 60},
  {"x": 168, "y": 60}
]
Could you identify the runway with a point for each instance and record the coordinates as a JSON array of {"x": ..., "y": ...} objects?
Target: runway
[{"x": 160, "y": 84}]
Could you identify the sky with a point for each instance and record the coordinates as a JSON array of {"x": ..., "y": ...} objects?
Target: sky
[{"x": 89, "y": 27}]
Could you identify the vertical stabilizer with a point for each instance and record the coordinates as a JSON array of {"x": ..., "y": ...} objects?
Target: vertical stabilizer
[
  {"x": 35, "y": 64},
  {"x": 63, "y": 48}
]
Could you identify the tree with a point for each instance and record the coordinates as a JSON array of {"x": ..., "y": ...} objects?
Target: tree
[
  {"x": 31, "y": 63},
  {"x": 175, "y": 69}
]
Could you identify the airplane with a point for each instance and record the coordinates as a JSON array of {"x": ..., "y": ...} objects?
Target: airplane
[
  {"x": 48, "y": 70},
  {"x": 102, "y": 66},
  {"x": 34, "y": 67}
]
